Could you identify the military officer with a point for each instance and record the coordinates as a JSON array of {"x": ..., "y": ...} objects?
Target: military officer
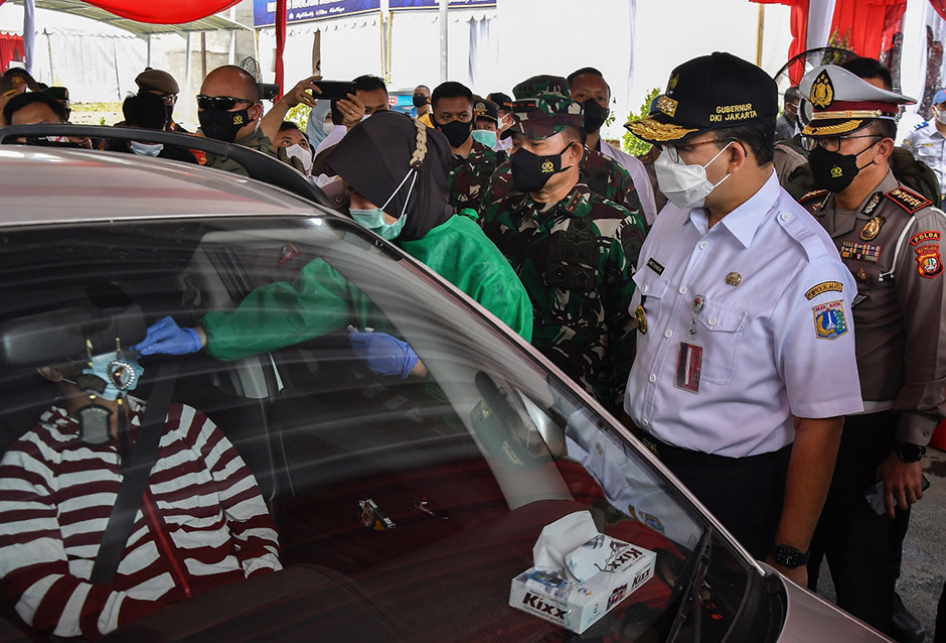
[
  {"x": 602, "y": 175},
  {"x": 745, "y": 352},
  {"x": 574, "y": 250},
  {"x": 889, "y": 238},
  {"x": 928, "y": 140}
]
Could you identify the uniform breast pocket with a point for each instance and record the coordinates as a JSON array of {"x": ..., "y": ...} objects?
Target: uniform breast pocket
[
  {"x": 928, "y": 151},
  {"x": 650, "y": 292},
  {"x": 719, "y": 332}
]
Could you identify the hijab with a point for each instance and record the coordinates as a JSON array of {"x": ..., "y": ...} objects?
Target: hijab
[
  {"x": 315, "y": 128},
  {"x": 375, "y": 157}
]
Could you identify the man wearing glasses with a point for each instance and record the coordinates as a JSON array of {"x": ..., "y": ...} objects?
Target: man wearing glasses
[
  {"x": 229, "y": 110},
  {"x": 889, "y": 238},
  {"x": 163, "y": 85},
  {"x": 743, "y": 317}
]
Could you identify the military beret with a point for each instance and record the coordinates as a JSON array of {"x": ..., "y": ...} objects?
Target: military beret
[
  {"x": 157, "y": 79},
  {"x": 710, "y": 92},
  {"x": 842, "y": 102},
  {"x": 544, "y": 107}
]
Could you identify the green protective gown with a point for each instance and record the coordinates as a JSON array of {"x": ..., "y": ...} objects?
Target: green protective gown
[{"x": 320, "y": 300}]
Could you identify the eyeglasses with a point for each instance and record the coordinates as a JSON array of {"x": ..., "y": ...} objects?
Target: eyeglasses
[
  {"x": 673, "y": 151},
  {"x": 170, "y": 99},
  {"x": 221, "y": 103},
  {"x": 830, "y": 143}
]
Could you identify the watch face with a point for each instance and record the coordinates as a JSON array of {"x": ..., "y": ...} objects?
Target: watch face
[
  {"x": 910, "y": 452},
  {"x": 789, "y": 556}
]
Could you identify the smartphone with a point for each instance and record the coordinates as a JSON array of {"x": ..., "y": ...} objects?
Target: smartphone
[
  {"x": 874, "y": 495},
  {"x": 333, "y": 89}
]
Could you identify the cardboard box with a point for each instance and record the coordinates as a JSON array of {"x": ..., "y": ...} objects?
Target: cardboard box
[{"x": 577, "y": 606}]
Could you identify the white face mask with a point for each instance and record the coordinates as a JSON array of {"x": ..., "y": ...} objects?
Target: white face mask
[
  {"x": 940, "y": 116},
  {"x": 685, "y": 185},
  {"x": 145, "y": 149},
  {"x": 304, "y": 155},
  {"x": 328, "y": 127}
]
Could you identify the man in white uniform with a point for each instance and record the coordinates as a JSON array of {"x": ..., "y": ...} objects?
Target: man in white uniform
[
  {"x": 745, "y": 360},
  {"x": 928, "y": 140}
]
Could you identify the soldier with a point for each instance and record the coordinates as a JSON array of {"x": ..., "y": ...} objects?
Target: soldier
[
  {"x": 928, "y": 140},
  {"x": 602, "y": 175},
  {"x": 452, "y": 113},
  {"x": 229, "y": 110},
  {"x": 889, "y": 238},
  {"x": 574, "y": 250},
  {"x": 163, "y": 85},
  {"x": 743, "y": 307}
]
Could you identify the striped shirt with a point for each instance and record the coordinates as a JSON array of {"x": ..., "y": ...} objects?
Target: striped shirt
[{"x": 202, "y": 523}]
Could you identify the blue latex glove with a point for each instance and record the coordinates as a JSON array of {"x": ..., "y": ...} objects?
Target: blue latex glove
[
  {"x": 383, "y": 354},
  {"x": 166, "y": 337}
]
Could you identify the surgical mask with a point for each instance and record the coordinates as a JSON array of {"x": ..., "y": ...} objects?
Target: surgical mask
[
  {"x": 221, "y": 125},
  {"x": 303, "y": 155},
  {"x": 595, "y": 115},
  {"x": 485, "y": 136},
  {"x": 834, "y": 171},
  {"x": 686, "y": 186},
  {"x": 457, "y": 132},
  {"x": 120, "y": 374},
  {"x": 940, "y": 116},
  {"x": 530, "y": 172},
  {"x": 373, "y": 219},
  {"x": 328, "y": 127},
  {"x": 419, "y": 100},
  {"x": 145, "y": 149}
]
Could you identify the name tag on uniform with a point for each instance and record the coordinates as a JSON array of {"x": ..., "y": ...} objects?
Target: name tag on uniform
[{"x": 689, "y": 365}]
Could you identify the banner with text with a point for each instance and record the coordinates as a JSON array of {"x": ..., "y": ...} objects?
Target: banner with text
[{"x": 264, "y": 11}]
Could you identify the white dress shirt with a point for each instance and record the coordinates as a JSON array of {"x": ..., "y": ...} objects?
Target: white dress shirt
[
  {"x": 776, "y": 327},
  {"x": 929, "y": 145},
  {"x": 639, "y": 176}
]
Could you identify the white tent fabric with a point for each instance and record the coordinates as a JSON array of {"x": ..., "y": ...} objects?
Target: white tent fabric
[{"x": 820, "y": 15}]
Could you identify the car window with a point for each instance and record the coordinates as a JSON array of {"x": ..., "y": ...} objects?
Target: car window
[{"x": 404, "y": 506}]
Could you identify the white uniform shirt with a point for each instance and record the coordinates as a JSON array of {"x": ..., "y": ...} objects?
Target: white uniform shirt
[
  {"x": 639, "y": 176},
  {"x": 781, "y": 342},
  {"x": 929, "y": 145}
]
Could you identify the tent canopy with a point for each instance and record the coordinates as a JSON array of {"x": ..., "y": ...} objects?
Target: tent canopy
[{"x": 86, "y": 10}]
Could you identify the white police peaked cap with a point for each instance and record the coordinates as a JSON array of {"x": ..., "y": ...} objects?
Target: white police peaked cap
[{"x": 841, "y": 102}]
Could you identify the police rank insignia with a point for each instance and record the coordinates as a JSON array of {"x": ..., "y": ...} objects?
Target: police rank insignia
[
  {"x": 860, "y": 251},
  {"x": 829, "y": 320},
  {"x": 930, "y": 262},
  {"x": 872, "y": 204},
  {"x": 822, "y": 91},
  {"x": 733, "y": 279},
  {"x": 872, "y": 229},
  {"x": 640, "y": 319}
]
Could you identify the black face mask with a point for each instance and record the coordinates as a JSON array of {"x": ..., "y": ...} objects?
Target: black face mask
[
  {"x": 222, "y": 126},
  {"x": 169, "y": 110},
  {"x": 595, "y": 115},
  {"x": 530, "y": 172},
  {"x": 834, "y": 171},
  {"x": 456, "y": 132},
  {"x": 419, "y": 100}
]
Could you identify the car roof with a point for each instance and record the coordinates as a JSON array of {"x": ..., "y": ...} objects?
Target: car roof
[{"x": 55, "y": 185}]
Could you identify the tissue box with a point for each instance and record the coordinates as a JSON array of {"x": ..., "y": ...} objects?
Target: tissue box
[{"x": 577, "y": 606}]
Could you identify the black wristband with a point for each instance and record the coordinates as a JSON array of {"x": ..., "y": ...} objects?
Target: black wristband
[{"x": 789, "y": 556}]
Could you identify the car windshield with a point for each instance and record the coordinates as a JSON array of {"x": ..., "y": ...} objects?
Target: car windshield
[{"x": 406, "y": 508}]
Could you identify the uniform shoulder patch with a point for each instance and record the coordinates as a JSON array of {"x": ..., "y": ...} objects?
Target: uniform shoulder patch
[
  {"x": 814, "y": 194},
  {"x": 908, "y": 200},
  {"x": 830, "y": 322},
  {"x": 921, "y": 125},
  {"x": 823, "y": 287}
]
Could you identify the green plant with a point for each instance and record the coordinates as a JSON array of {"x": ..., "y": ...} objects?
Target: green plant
[
  {"x": 102, "y": 121},
  {"x": 299, "y": 115},
  {"x": 633, "y": 145}
]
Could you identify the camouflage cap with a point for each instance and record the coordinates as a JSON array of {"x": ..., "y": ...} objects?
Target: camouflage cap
[{"x": 544, "y": 107}]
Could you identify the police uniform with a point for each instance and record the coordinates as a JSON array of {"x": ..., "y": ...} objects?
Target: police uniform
[
  {"x": 742, "y": 326},
  {"x": 928, "y": 144},
  {"x": 575, "y": 259},
  {"x": 891, "y": 244}
]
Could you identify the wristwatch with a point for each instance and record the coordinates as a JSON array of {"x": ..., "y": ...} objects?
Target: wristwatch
[
  {"x": 909, "y": 452},
  {"x": 789, "y": 556}
]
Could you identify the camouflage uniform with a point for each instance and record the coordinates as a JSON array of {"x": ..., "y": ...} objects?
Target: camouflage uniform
[
  {"x": 470, "y": 175},
  {"x": 602, "y": 175},
  {"x": 575, "y": 259},
  {"x": 255, "y": 141}
]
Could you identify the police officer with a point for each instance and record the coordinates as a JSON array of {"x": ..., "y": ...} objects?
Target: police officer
[
  {"x": 889, "y": 238},
  {"x": 928, "y": 140},
  {"x": 574, "y": 251},
  {"x": 745, "y": 352}
]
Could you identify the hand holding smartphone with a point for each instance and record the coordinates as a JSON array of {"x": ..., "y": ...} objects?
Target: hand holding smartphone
[{"x": 874, "y": 494}]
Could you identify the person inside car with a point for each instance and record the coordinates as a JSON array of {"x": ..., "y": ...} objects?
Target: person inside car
[
  {"x": 146, "y": 111},
  {"x": 395, "y": 172},
  {"x": 36, "y": 108},
  {"x": 202, "y": 522}
]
